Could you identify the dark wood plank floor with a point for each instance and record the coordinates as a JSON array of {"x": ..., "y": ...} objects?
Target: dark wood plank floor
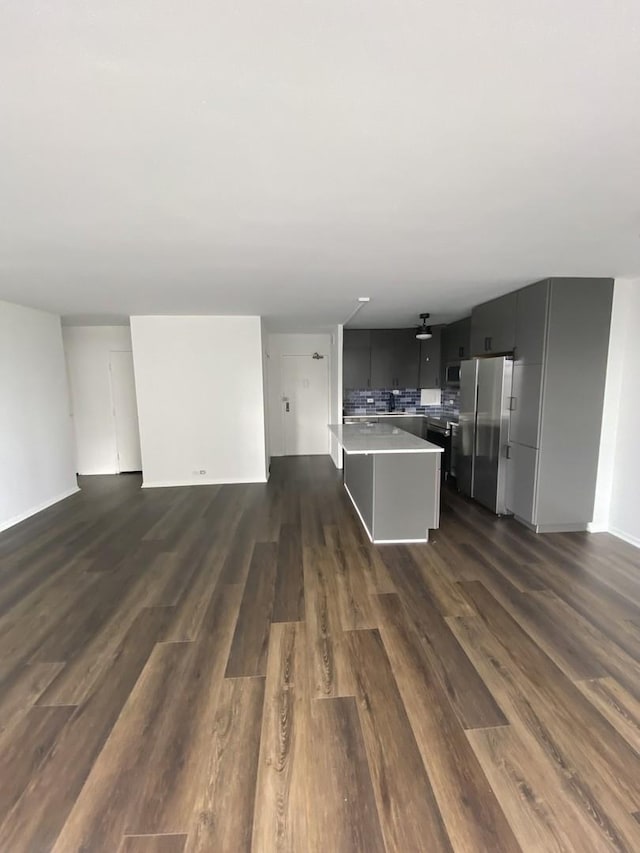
[{"x": 237, "y": 668}]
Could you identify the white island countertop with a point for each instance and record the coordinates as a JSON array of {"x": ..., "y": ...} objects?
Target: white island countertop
[{"x": 380, "y": 438}]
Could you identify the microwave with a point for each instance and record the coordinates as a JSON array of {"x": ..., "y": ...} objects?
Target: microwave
[{"x": 452, "y": 375}]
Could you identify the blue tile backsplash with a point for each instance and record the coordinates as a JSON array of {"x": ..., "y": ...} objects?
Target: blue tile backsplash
[{"x": 355, "y": 402}]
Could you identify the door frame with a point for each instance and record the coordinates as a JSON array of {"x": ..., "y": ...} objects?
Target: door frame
[
  {"x": 120, "y": 470},
  {"x": 281, "y": 394}
]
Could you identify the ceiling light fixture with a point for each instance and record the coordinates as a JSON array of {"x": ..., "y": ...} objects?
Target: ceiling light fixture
[{"x": 424, "y": 332}]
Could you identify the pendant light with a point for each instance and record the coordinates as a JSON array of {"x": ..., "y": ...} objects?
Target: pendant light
[{"x": 424, "y": 332}]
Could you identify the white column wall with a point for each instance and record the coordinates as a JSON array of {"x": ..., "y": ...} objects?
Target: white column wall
[{"x": 36, "y": 433}]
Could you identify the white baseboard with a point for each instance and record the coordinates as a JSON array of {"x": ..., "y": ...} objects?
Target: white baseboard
[
  {"x": 600, "y": 527},
  {"x": 400, "y": 541},
  {"x": 626, "y": 537},
  {"x": 11, "y": 522},
  {"x": 173, "y": 484},
  {"x": 355, "y": 506}
]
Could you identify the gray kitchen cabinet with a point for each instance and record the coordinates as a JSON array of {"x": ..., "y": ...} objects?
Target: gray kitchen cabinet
[
  {"x": 407, "y": 355},
  {"x": 429, "y": 376},
  {"x": 394, "y": 358},
  {"x": 557, "y": 403},
  {"x": 356, "y": 358},
  {"x": 521, "y": 481},
  {"x": 577, "y": 345},
  {"x": 493, "y": 326},
  {"x": 455, "y": 345},
  {"x": 382, "y": 358},
  {"x": 531, "y": 322},
  {"x": 407, "y": 423},
  {"x": 526, "y": 395},
  {"x": 456, "y": 341}
]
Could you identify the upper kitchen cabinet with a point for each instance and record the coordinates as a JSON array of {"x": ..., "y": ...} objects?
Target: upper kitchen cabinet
[
  {"x": 531, "y": 322},
  {"x": 429, "y": 376},
  {"x": 493, "y": 326},
  {"x": 455, "y": 345},
  {"x": 394, "y": 358},
  {"x": 456, "y": 341},
  {"x": 382, "y": 358},
  {"x": 356, "y": 358}
]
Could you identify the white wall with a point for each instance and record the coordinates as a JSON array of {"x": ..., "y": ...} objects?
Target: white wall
[
  {"x": 200, "y": 399},
  {"x": 264, "y": 348},
  {"x": 36, "y": 435},
  {"x": 624, "y": 514},
  {"x": 87, "y": 349},
  {"x": 336, "y": 391},
  {"x": 617, "y": 503}
]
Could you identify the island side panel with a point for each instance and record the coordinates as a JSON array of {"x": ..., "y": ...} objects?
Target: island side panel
[
  {"x": 358, "y": 478},
  {"x": 406, "y": 496}
]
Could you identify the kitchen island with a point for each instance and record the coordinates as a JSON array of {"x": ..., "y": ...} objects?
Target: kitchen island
[{"x": 393, "y": 480}]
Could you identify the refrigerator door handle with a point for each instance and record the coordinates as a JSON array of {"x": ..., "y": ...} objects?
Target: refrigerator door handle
[{"x": 475, "y": 437}]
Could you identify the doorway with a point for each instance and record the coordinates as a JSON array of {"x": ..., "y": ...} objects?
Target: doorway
[
  {"x": 305, "y": 403},
  {"x": 125, "y": 411}
]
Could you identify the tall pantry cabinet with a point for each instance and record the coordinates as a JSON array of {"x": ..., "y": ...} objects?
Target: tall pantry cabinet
[{"x": 560, "y": 359}]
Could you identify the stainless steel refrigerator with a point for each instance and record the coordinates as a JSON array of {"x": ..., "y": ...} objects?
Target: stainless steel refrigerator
[{"x": 483, "y": 431}]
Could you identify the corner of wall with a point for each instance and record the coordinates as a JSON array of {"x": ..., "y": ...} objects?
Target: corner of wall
[
  {"x": 337, "y": 338},
  {"x": 610, "y": 457},
  {"x": 264, "y": 349},
  {"x": 38, "y": 466},
  {"x": 184, "y": 365}
]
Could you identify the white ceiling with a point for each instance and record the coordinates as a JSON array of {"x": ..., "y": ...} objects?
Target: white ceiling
[{"x": 284, "y": 158}]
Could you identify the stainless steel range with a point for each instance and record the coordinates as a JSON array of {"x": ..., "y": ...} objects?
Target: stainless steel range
[{"x": 440, "y": 431}]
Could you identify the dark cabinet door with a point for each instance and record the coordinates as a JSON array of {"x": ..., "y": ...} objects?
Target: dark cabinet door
[
  {"x": 456, "y": 344},
  {"x": 394, "y": 358},
  {"x": 493, "y": 326},
  {"x": 531, "y": 323},
  {"x": 460, "y": 340},
  {"x": 382, "y": 375},
  {"x": 430, "y": 360},
  {"x": 406, "y": 358},
  {"x": 449, "y": 344},
  {"x": 356, "y": 358}
]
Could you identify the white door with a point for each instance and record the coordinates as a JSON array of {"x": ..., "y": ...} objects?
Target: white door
[
  {"x": 305, "y": 404},
  {"x": 125, "y": 411}
]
